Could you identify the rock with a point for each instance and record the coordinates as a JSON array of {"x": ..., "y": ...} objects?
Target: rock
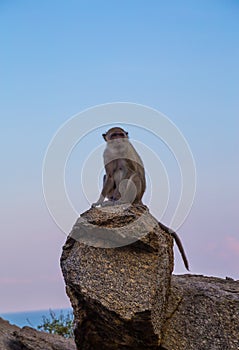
[
  {"x": 203, "y": 313},
  {"x": 124, "y": 297},
  {"x": 118, "y": 292},
  {"x": 7, "y": 337},
  {"x": 26, "y": 338},
  {"x": 31, "y": 339}
]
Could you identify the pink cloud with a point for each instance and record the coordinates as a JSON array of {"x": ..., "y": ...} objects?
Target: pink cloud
[
  {"x": 24, "y": 281},
  {"x": 14, "y": 281},
  {"x": 232, "y": 244}
]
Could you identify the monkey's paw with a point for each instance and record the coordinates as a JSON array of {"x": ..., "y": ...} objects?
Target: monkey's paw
[{"x": 97, "y": 204}]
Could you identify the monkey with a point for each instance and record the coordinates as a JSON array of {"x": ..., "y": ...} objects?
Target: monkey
[{"x": 124, "y": 181}]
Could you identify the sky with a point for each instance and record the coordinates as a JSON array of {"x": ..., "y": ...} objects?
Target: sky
[{"x": 59, "y": 58}]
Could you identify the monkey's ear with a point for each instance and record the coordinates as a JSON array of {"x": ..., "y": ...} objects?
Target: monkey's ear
[
  {"x": 126, "y": 132},
  {"x": 104, "y": 136}
]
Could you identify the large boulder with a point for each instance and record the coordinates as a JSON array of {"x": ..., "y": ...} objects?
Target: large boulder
[
  {"x": 117, "y": 264},
  {"x": 203, "y": 313}
]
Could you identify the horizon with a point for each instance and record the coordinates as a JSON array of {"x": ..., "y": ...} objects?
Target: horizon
[
  {"x": 33, "y": 311},
  {"x": 32, "y": 318}
]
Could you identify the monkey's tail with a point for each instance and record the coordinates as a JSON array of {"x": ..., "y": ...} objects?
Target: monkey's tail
[{"x": 178, "y": 242}]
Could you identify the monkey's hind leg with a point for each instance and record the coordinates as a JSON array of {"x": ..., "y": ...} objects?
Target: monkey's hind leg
[{"x": 128, "y": 191}]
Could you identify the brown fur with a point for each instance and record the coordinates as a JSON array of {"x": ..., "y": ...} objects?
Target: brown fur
[{"x": 124, "y": 181}]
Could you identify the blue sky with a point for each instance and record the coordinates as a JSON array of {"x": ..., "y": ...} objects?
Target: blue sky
[{"x": 60, "y": 57}]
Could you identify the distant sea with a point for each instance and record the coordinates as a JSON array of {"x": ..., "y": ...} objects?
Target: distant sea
[{"x": 31, "y": 318}]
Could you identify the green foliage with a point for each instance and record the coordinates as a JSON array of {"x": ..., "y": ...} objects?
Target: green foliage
[{"x": 62, "y": 324}]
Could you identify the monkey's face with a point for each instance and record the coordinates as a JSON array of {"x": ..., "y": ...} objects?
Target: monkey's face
[{"x": 115, "y": 134}]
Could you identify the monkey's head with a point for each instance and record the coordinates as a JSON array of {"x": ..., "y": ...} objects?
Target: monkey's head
[{"x": 115, "y": 133}]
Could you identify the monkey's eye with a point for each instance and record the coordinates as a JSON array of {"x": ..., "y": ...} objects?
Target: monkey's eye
[{"x": 117, "y": 135}]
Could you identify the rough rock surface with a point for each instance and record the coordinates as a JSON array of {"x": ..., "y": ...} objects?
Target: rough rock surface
[
  {"x": 125, "y": 297},
  {"x": 26, "y": 338},
  {"x": 7, "y": 335},
  {"x": 119, "y": 295},
  {"x": 203, "y": 313}
]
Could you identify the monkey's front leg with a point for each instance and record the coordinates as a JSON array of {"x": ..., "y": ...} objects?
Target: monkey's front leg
[{"x": 107, "y": 187}]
